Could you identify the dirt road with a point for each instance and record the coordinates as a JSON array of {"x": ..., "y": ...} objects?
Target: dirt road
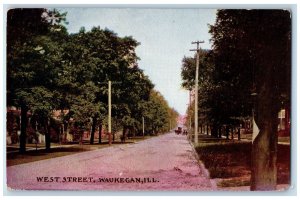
[{"x": 163, "y": 163}]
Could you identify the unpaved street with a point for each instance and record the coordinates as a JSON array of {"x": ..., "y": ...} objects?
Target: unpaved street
[{"x": 163, "y": 163}]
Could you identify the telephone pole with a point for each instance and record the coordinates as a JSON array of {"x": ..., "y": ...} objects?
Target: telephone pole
[
  {"x": 190, "y": 119},
  {"x": 109, "y": 107},
  {"x": 196, "y": 87},
  {"x": 109, "y": 112},
  {"x": 143, "y": 120}
]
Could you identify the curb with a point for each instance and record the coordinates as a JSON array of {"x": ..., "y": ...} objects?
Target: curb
[{"x": 202, "y": 167}]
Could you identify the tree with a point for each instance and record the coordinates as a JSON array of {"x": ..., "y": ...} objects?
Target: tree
[
  {"x": 158, "y": 114},
  {"x": 210, "y": 106},
  {"x": 134, "y": 90},
  {"x": 54, "y": 70},
  {"x": 252, "y": 56},
  {"x": 22, "y": 25},
  {"x": 172, "y": 117},
  {"x": 79, "y": 92},
  {"x": 32, "y": 59},
  {"x": 93, "y": 58}
]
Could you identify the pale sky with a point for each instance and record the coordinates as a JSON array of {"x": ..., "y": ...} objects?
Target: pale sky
[{"x": 165, "y": 36}]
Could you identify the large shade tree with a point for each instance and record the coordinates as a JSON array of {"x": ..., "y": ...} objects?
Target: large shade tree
[
  {"x": 252, "y": 55},
  {"x": 49, "y": 69},
  {"x": 32, "y": 61},
  {"x": 210, "y": 103},
  {"x": 158, "y": 115},
  {"x": 94, "y": 58}
]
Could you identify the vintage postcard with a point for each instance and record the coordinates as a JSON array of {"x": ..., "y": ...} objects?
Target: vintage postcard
[{"x": 148, "y": 99}]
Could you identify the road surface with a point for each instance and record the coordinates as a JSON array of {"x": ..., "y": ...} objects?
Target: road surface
[{"x": 163, "y": 163}]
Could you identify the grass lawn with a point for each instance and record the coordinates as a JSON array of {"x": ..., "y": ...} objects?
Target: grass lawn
[
  {"x": 230, "y": 161},
  {"x": 15, "y": 158}
]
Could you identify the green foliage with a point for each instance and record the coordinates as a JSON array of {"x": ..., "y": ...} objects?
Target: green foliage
[
  {"x": 33, "y": 60},
  {"x": 206, "y": 85},
  {"x": 248, "y": 46},
  {"x": 49, "y": 69},
  {"x": 95, "y": 57},
  {"x": 158, "y": 115}
]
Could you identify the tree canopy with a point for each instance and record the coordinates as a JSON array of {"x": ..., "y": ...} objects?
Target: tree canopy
[{"x": 49, "y": 69}]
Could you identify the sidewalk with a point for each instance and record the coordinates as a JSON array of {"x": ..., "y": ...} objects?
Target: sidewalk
[
  {"x": 38, "y": 148},
  {"x": 250, "y": 140}
]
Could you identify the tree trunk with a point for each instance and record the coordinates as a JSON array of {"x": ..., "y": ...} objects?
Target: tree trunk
[
  {"x": 64, "y": 135},
  {"x": 62, "y": 129},
  {"x": 24, "y": 119},
  {"x": 94, "y": 121},
  {"x": 264, "y": 159},
  {"x": 214, "y": 131},
  {"x": 227, "y": 132},
  {"x": 47, "y": 135},
  {"x": 100, "y": 132},
  {"x": 264, "y": 147},
  {"x": 67, "y": 128},
  {"x": 220, "y": 132},
  {"x": 125, "y": 129},
  {"x": 207, "y": 130},
  {"x": 60, "y": 134}
]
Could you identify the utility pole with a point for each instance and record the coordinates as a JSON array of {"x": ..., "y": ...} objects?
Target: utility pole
[
  {"x": 109, "y": 108},
  {"x": 109, "y": 112},
  {"x": 196, "y": 88},
  {"x": 190, "y": 119},
  {"x": 143, "y": 119}
]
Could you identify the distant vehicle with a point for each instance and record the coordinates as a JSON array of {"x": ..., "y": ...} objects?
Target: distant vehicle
[
  {"x": 179, "y": 130},
  {"x": 185, "y": 132}
]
